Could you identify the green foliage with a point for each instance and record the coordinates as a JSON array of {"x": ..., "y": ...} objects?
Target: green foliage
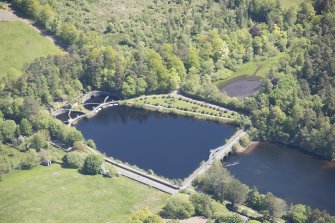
[
  {"x": 214, "y": 181},
  {"x": 202, "y": 205},
  {"x": 91, "y": 143},
  {"x": 178, "y": 207},
  {"x": 236, "y": 192},
  {"x": 245, "y": 141},
  {"x": 92, "y": 164},
  {"x": 25, "y": 127},
  {"x": 274, "y": 207},
  {"x": 39, "y": 140},
  {"x": 32, "y": 159},
  {"x": 111, "y": 170},
  {"x": 79, "y": 146},
  {"x": 7, "y": 130},
  {"x": 298, "y": 214},
  {"x": 229, "y": 219},
  {"x": 75, "y": 159},
  {"x": 255, "y": 200},
  {"x": 144, "y": 216}
]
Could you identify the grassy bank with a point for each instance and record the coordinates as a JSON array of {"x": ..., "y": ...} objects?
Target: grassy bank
[
  {"x": 251, "y": 70},
  {"x": 21, "y": 44},
  {"x": 55, "y": 194}
]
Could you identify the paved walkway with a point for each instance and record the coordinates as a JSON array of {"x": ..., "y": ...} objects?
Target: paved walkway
[{"x": 142, "y": 177}]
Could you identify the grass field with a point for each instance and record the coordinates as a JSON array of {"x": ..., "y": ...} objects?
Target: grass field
[
  {"x": 21, "y": 44},
  {"x": 55, "y": 194},
  {"x": 255, "y": 68}
]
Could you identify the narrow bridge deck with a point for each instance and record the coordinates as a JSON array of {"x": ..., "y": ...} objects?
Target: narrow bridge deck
[{"x": 216, "y": 154}]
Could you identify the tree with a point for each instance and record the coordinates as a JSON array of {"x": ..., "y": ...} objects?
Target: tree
[
  {"x": 7, "y": 130},
  {"x": 255, "y": 200},
  {"x": 30, "y": 108},
  {"x": 69, "y": 33},
  {"x": 178, "y": 207},
  {"x": 298, "y": 214},
  {"x": 92, "y": 164},
  {"x": 202, "y": 204},
  {"x": 274, "y": 206},
  {"x": 236, "y": 192},
  {"x": 214, "y": 181},
  {"x": 40, "y": 140},
  {"x": 25, "y": 127}
]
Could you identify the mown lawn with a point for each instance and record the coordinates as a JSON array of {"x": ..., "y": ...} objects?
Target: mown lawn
[
  {"x": 21, "y": 44},
  {"x": 55, "y": 194},
  {"x": 254, "y": 68}
]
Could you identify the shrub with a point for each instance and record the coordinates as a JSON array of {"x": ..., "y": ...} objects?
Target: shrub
[
  {"x": 178, "y": 207},
  {"x": 74, "y": 159},
  {"x": 91, "y": 144},
  {"x": 111, "y": 170},
  {"x": 78, "y": 146},
  {"x": 31, "y": 160},
  {"x": 144, "y": 216},
  {"x": 202, "y": 204},
  {"x": 92, "y": 164},
  {"x": 245, "y": 140},
  {"x": 229, "y": 219}
]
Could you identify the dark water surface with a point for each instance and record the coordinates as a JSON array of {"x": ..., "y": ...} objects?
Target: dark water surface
[
  {"x": 241, "y": 87},
  {"x": 171, "y": 146},
  {"x": 290, "y": 174}
]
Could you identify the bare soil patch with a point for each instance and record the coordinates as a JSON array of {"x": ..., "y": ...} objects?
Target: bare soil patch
[{"x": 7, "y": 16}]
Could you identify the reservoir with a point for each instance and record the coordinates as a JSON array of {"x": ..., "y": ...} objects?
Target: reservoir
[
  {"x": 295, "y": 176},
  {"x": 169, "y": 145}
]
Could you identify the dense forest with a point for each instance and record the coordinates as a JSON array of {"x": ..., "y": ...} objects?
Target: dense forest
[{"x": 188, "y": 45}]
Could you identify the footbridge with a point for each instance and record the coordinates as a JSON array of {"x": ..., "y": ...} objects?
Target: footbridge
[{"x": 215, "y": 154}]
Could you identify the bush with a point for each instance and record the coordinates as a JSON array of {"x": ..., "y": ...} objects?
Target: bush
[
  {"x": 245, "y": 140},
  {"x": 31, "y": 160},
  {"x": 229, "y": 219},
  {"x": 178, "y": 207},
  {"x": 111, "y": 170},
  {"x": 40, "y": 140},
  {"x": 92, "y": 164},
  {"x": 78, "y": 146},
  {"x": 91, "y": 144},
  {"x": 74, "y": 159},
  {"x": 144, "y": 216},
  {"x": 202, "y": 204}
]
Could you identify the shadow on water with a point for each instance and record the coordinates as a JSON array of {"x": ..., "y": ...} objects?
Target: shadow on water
[{"x": 63, "y": 117}]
